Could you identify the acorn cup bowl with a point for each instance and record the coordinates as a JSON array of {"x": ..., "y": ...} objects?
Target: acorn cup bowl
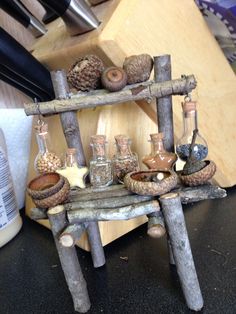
[
  {"x": 151, "y": 182},
  {"x": 199, "y": 177},
  {"x": 48, "y": 190}
]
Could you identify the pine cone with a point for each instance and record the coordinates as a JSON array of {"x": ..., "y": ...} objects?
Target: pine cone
[{"x": 85, "y": 73}]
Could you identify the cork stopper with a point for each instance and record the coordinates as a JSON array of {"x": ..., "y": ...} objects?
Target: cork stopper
[
  {"x": 71, "y": 151},
  {"x": 41, "y": 128},
  {"x": 122, "y": 139},
  {"x": 98, "y": 139},
  {"x": 189, "y": 106},
  {"x": 157, "y": 136}
]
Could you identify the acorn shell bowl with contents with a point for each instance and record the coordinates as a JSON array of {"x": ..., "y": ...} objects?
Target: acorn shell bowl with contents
[
  {"x": 151, "y": 182},
  {"x": 200, "y": 177},
  {"x": 48, "y": 190}
]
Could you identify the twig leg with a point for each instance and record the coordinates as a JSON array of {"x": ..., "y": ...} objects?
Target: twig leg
[
  {"x": 95, "y": 242},
  {"x": 69, "y": 261},
  {"x": 170, "y": 252},
  {"x": 174, "y": 218}
]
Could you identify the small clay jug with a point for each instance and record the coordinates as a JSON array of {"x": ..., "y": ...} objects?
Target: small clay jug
[{"x": 159, "y": 158}]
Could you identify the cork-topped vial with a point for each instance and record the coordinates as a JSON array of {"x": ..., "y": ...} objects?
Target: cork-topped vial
[
  {"x": 100, "y": 166},
  {"x": 159, "y": 158},
  {"x": 190, "y": 123},
  {"x": 46, "y": 161},
  {"x": 124, "y": 161}
]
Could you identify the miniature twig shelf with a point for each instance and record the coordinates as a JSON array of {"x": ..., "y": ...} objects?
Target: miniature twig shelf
[{"x": 86, "y": 207}]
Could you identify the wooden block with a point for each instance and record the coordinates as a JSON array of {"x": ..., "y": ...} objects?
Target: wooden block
[{"x": 155, "y": 27}]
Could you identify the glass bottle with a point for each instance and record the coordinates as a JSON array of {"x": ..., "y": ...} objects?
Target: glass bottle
[
  {"x": 100, "y": 165},
  {"x": 200, "y": 149},
  {"x": 72, "y": 170},
  {"x": 10, "y": 219},
  {"x": 159, "y": 158},
  {"x": 45, "y": 161},
  {"x": 124, "y": 161}
]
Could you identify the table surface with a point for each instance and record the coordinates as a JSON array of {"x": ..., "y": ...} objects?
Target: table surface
[{"x": 32, "y": 280}]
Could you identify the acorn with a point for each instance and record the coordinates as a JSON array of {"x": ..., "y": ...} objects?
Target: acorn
[
  {"x": 138, "y": 68},
  {"x": 114, "y": 79},
  {"x": 85, "y": 73}
]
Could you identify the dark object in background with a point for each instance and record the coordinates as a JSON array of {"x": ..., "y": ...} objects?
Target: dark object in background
[
  {"x": 16, "y": 58},
  {"x": 19, "y": 12},
  {"x": 50, "y": 15},
  {"x": 77, "y": 15},
  {"x": 21, "y": 84}
]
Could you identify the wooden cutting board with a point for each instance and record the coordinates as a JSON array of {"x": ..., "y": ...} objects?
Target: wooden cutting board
[{"x": 155, "y": 27}]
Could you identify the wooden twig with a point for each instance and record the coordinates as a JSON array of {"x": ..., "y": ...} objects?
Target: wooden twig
[
  {"x": 69, "y": 261},
  {"x": 95, "y": 241},
  {"x": 71, "y": 234},
  {"x": 199, "y": 193},
  {"x": 72, "y": 133},
  {"x": 174, "y": 219},
  {"x": 69, "y": 120},
  {"x": 92, "y": 193},
  {"x": 122, "y": 213},
  {"x": 175, "y": 87},
  {"x": 113, "y": 202},
  {"x": 162, "y": 73},
  {"x": 156, "y": 225}
]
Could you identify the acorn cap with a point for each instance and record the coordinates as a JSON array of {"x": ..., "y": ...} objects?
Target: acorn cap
[
  {"x": 85, "y": 73},
  {"x": 138, "y": 68},
  {"x": 114, "y": 79},
  {"x": 157, "y": 136},
  {"x": 189, "y": 106}
]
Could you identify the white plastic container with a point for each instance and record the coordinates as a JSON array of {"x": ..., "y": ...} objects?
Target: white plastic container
[{"x": 10, "y": 220}]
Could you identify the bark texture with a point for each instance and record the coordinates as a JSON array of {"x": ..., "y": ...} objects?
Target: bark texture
[
  {"x": 69, "y": 262},
  {"x": 131, "y": 93},
  {"x": 162, "y": 73},
  {"x": 122, "y": 213},
  {"x": 112, "y": 202},
  {"x": 71, "y": 235},
  {"x": 175, "y": 222},
  {"x": 71, "y": 131},
  {"x": 199, "y": 193}
]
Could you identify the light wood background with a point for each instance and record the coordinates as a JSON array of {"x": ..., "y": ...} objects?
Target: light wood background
[{"x": 10, "y": 97}]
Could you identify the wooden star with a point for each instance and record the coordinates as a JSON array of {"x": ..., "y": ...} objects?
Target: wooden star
[{"x": 74, "y": 175}]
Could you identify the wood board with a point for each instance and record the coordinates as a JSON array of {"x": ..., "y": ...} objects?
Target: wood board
[{"x": 155, "y": 27}]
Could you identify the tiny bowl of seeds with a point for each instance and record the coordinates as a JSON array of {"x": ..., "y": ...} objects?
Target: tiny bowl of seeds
[
  {"x": 48, "y": 190},
  {"x": 151, "y": 182}
]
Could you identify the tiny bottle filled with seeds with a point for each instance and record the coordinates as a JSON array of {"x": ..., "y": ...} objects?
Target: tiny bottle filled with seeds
[
  {"x": 200, "y": 149},
  {"x": 46, "y": 161},
  {"x": 124, "y": 161},
  {"x": 100, "y": 165}
]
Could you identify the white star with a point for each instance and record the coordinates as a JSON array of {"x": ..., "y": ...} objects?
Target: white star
[{"x": 74, "y": 175}]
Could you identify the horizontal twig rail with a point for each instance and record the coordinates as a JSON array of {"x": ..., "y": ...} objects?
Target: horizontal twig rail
[{"x": 181, "y": 86}]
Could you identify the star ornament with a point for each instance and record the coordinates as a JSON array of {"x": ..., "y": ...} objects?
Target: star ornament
[{"x": 74, "y": 175}]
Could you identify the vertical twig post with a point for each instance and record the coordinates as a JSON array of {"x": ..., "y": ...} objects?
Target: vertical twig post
[
  {"x": 174, "y": 219},
  {"x": 95, "y": 242},
  {"x": 69, "y": 261},
  {"x": 69, "y": 120},
  {"x": 162, "y": 72},
  {"x": 71, "y": 130}
]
